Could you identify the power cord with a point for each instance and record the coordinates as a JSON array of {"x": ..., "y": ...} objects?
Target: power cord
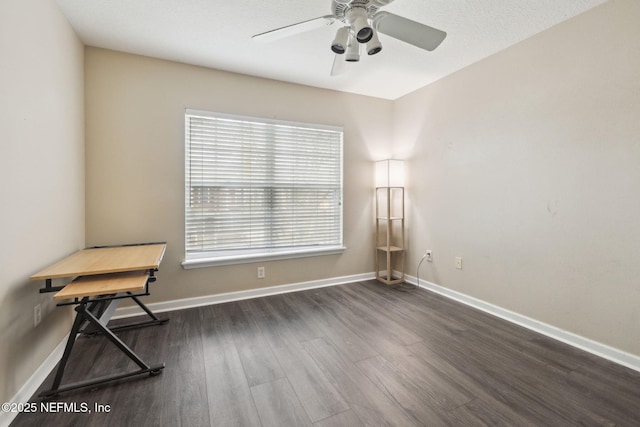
[
  {"x": 404, "y": 286},
  {"x": 418, "y": 268}
]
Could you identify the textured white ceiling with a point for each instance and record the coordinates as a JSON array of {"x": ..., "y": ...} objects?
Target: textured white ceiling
[{"x": 217, "y": 34}]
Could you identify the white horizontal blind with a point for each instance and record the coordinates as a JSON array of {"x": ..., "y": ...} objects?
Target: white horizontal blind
[{"x": 258, "y": 184}]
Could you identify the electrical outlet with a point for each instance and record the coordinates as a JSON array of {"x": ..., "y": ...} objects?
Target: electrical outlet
[
  {"x": 459, "y": 263},
  {"x": 429, "y": 255},
  {"x": 261, "y": 273},
  {"x": 37, "y": 315}
]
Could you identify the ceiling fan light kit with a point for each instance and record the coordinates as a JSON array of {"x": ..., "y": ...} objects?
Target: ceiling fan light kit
[
  {"x": 353, "y": 50},
  {"x": 339, "y": 44},
  {"x": 374, "y": 46},
  {"x": 359, "y": 22},
  {"x": 362, "y": 21}
]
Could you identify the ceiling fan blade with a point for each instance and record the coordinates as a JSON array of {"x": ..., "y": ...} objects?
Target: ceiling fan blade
[
  {"x": 406, "y": 30},
  {"x": 298, "y": 28},
  {"x": 339, "y": 65}
]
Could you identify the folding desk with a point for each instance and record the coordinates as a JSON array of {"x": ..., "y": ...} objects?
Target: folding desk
[{"x": 103, "y": 276}]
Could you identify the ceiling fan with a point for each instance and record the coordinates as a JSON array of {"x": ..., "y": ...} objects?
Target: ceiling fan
[{"x": 362, "y": 20}]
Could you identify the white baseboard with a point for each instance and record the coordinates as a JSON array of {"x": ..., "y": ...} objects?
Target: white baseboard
[
  {"x": 602, "y": 350},
  {"x": 182, "y": 304},
  {"x": 34, "y": 382}
]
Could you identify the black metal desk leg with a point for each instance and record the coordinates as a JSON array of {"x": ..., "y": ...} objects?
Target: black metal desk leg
[
  {"x": 75, "y": 329},
  {"x": 84, "y": 314},
  {"x": 114, "y": 339},
  {"x": 144, "y": 307},
  {"x": 154, "y": 319}
]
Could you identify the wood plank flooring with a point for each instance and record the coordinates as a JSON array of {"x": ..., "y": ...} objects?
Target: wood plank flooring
[{"x": 352, "y": 355}]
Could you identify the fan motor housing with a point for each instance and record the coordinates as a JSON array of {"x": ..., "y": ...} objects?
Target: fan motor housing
[{"x": 340, "y": 8}]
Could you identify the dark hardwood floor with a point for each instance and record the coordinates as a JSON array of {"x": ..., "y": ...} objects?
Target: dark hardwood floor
[{"x": 352, "y": 355}]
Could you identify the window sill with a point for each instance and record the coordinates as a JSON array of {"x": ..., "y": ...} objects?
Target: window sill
[{"x": 259, "y": 257}]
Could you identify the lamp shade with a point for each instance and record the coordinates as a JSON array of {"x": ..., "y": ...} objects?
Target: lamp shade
[{"x": 390, "y": 173}]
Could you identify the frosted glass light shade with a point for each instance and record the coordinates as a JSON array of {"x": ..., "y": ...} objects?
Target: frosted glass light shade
[{"x": 390, "y": 173}]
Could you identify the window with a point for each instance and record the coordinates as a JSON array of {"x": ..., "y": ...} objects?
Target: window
[{"x": 260, "y": 189}]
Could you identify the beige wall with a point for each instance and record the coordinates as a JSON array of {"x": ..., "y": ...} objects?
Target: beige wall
[
  {"x": 42, "y": 175},
  {"x": 135, "y": 162},
  {"x": 527, "y": 164}
]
